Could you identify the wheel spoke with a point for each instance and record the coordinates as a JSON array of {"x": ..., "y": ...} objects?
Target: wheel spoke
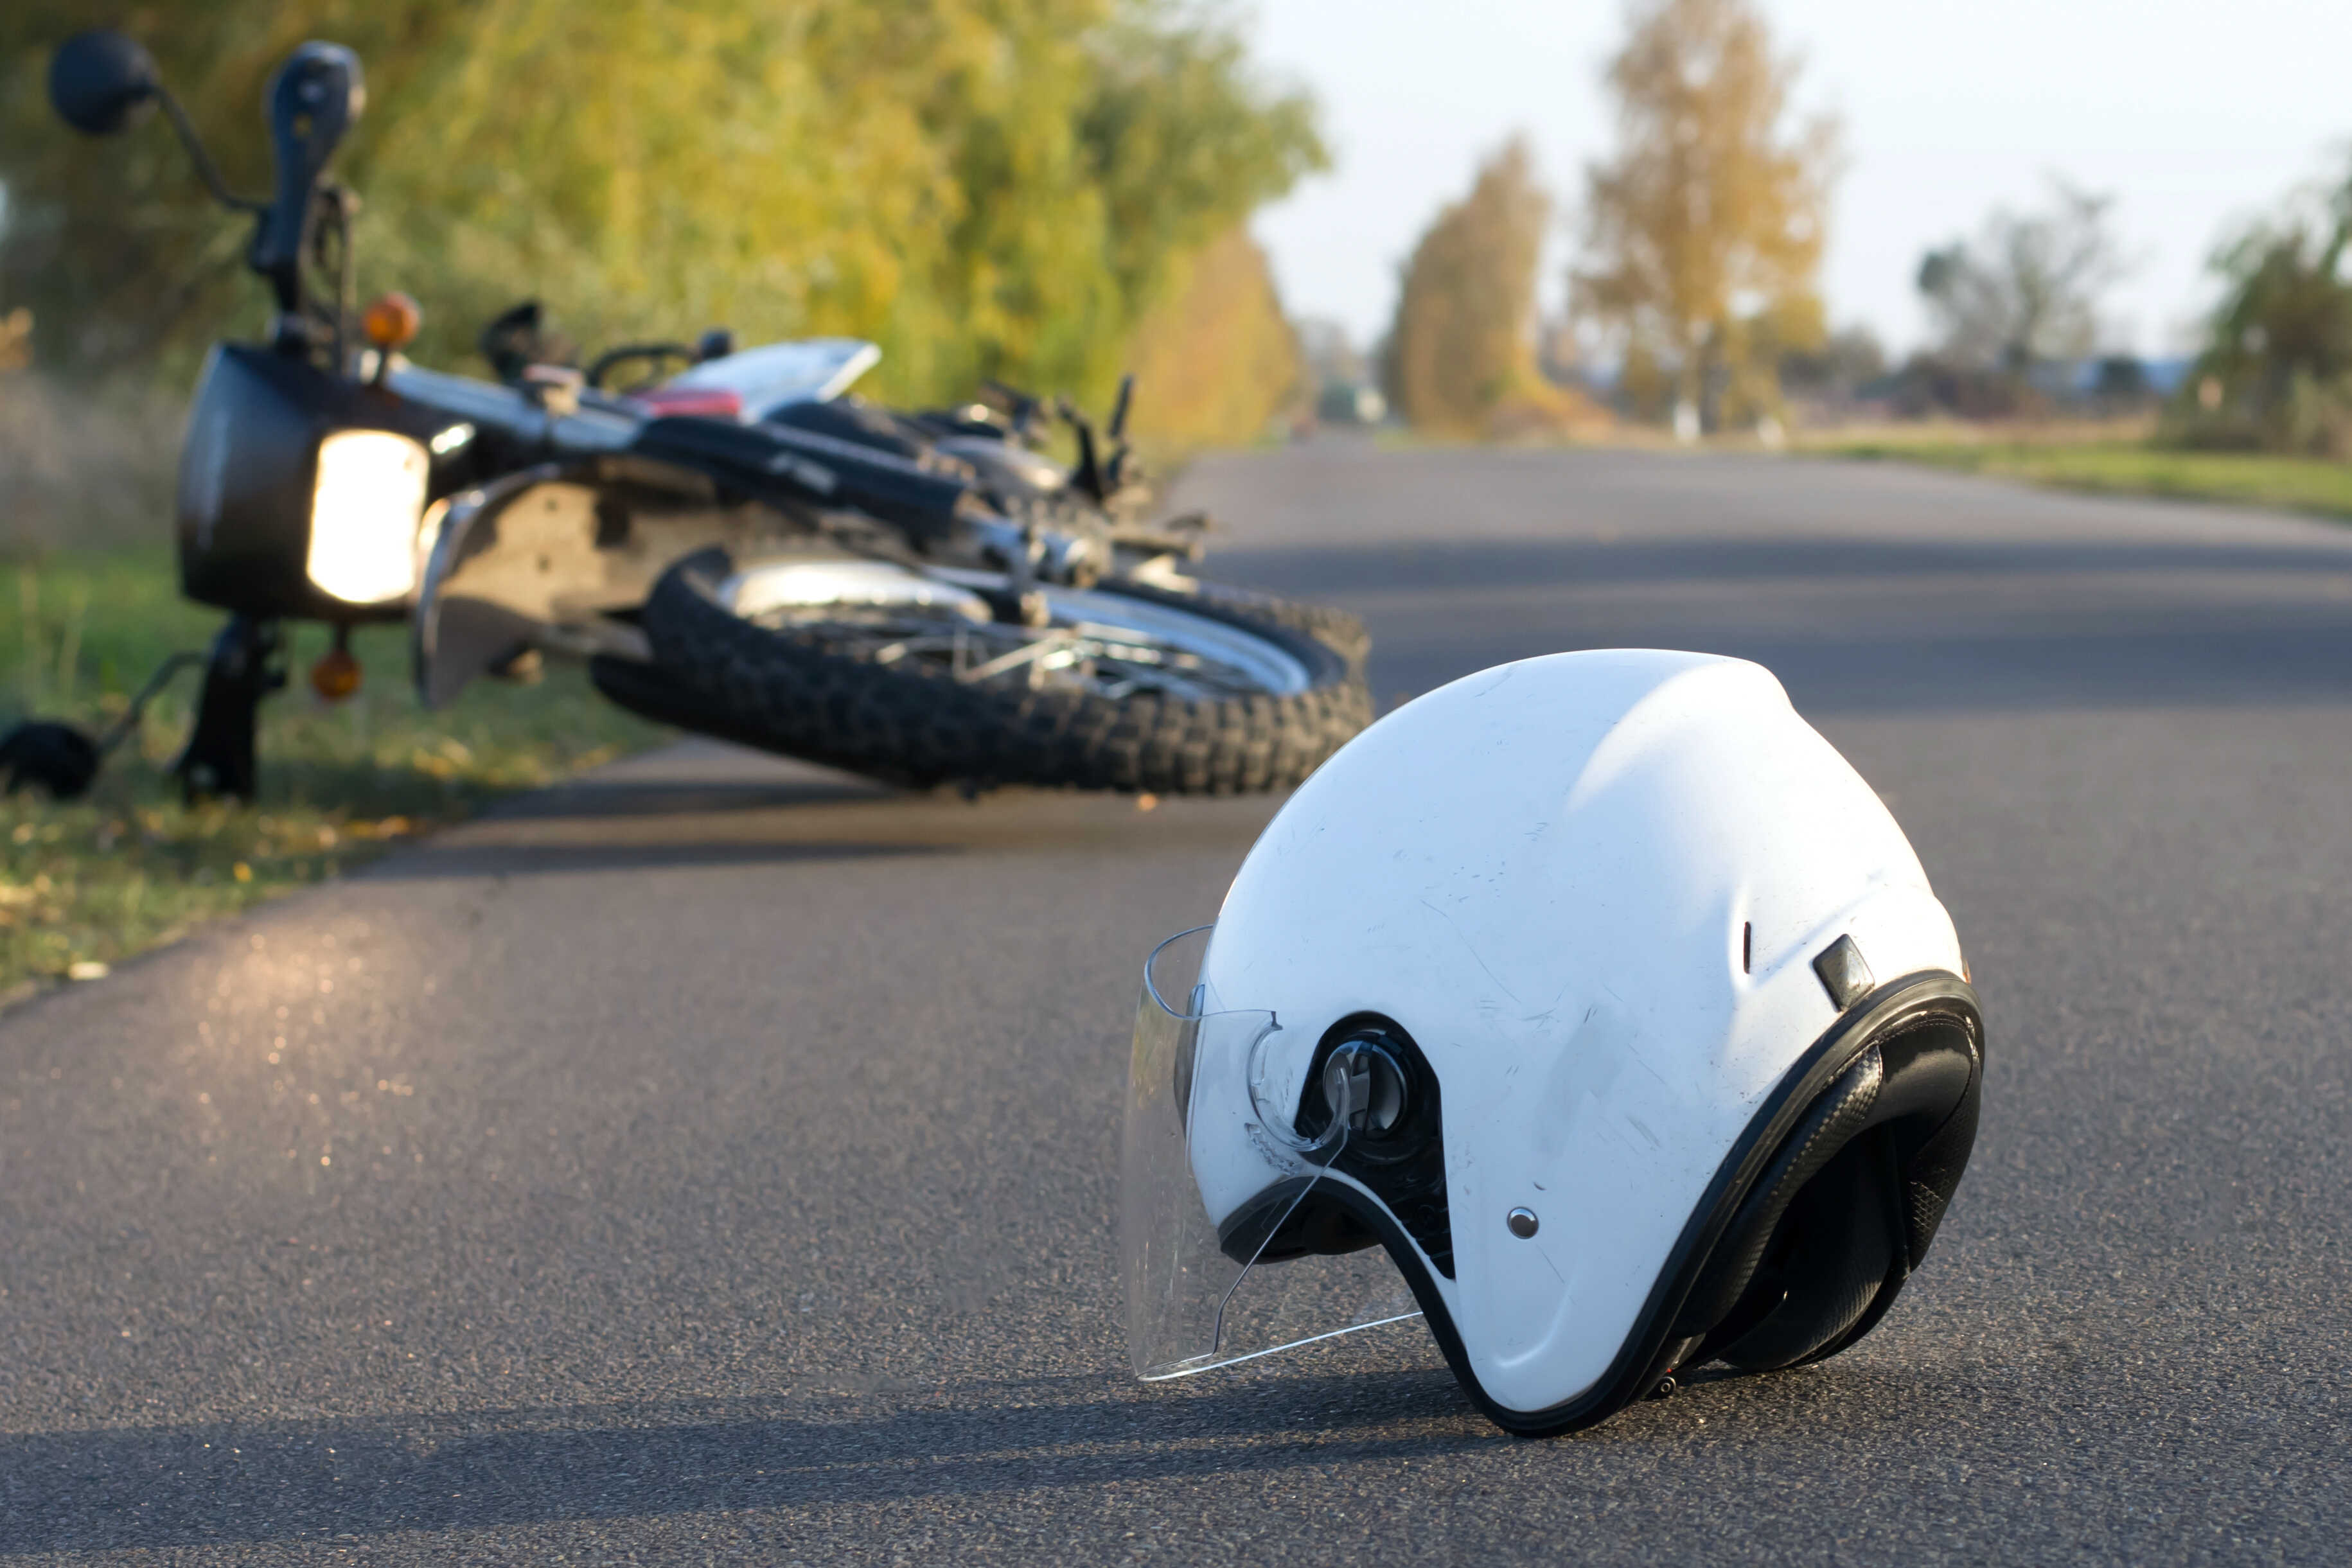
[{"x": 1112, "y": 661}]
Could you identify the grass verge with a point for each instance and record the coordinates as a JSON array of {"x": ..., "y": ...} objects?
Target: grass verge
[
  {"x": 2119, "y": 467},
  {"x": 86, "y": 884}
]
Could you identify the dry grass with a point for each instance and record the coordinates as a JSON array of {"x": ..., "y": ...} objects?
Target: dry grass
[
  {"x": 2110, "y": 458},
  {"x": 85, "y": 884}
]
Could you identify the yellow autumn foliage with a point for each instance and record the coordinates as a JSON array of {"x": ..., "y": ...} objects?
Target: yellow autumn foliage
[
  {"x": 1460, "y": 360},
  {"x": 985, "y": 187},
  {"x": 1216, "y": 362}
]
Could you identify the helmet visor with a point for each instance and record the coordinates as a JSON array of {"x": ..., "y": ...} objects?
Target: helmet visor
[{"x": 1218, "y": 1188}]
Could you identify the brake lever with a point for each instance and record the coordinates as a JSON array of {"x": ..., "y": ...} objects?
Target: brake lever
[
  {"x": 1088, "y": 477},
  {"x": 1116, "y": 429}
]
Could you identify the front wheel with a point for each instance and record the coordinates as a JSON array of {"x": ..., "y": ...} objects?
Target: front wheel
[{"x": 1126, "y": 686}]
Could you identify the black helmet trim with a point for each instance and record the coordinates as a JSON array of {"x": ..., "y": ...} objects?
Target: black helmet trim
[{"x": 1652, "y": 1350}]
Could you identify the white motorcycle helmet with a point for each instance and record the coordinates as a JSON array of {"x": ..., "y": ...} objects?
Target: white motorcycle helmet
[{"x": 1600, "y": 994}]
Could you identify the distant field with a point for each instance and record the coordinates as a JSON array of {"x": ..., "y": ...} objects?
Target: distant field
[
  {"x": 98, "y": 880},
  {"x": 2123, "y": 466}
]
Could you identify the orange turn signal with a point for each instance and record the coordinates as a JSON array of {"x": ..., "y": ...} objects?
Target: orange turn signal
[
  {"x": 391, "y": 321},
  {"x": 336, "y": 676}
]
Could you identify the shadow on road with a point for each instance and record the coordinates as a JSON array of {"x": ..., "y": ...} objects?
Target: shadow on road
[
  {"x": 178, "y": 1486},
  {"x": 1589, "y": 560},
  {"x": 1863, "y": 626},
  {"x": 2027, "y": 670},
  {"x": 431, "y": 861},
  {"x": 701, "y": 803},
  {"x": 639, "y": 797}
]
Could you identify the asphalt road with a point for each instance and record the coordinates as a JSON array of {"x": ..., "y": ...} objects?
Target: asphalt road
[{"x": 715, "y": 1159}]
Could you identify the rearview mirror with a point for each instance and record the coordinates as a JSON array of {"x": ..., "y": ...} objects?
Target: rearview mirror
[{"x": 98, "y": 80}]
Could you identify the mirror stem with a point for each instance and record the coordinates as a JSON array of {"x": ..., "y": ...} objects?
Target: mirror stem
[{"x": 206, "y": 170}]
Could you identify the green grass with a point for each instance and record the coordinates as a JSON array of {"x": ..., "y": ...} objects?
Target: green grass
[
  {"x": 2137, "y": 468},
  {"x": 87, "y": 883}
]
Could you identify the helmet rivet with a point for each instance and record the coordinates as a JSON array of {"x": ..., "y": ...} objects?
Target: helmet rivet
[{"x": 1522, "y": 1222}]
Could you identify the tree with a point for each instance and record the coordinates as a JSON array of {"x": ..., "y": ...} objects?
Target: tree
[
  {"x": 1835, "y": 367},
  {"x": 1703, "y": 237},
  {"x": 985, "y": 187},
  {"x": 1217, "y": 361},
  {"x": 1462, "y": 347},
  {"x": 2276, "y": 370},
  {"x": 2028, "y": 290}
]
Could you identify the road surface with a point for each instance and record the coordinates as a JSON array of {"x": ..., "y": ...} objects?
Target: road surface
[{"x": 714, "y": 1159}]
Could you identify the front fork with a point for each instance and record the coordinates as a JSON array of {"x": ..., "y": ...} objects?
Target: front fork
[{"x": 242, "y": 668}]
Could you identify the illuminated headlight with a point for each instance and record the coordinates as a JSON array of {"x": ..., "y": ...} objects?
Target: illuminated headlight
[{"x": 364, "y": 516}]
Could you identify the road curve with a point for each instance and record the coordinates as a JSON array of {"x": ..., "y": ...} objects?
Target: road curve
[{"x": 714, "y": 1159}]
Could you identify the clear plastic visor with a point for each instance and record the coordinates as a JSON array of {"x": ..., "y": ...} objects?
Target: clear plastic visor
[{"x": 1218, "y": 1190}]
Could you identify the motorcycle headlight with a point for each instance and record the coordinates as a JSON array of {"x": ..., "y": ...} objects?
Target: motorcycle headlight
[
  {"x": 301, "y": 492},
  {"x": 364, "y": 508}
]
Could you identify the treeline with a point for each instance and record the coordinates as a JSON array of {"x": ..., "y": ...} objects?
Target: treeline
[
  {"x": 2275, "y": 373},
  {"x": 1701, "y": 244},
  {"x": 2018, "y": 315},
  {"x": 1461, "y": 358},
  {"x": 1694, "y": 299},
  {"x": 1033, "y": 190}
]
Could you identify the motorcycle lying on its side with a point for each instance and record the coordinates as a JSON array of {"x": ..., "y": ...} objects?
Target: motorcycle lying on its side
[
  {"x": 734, "y": 548},
  {"x": 804, "y": 385}
]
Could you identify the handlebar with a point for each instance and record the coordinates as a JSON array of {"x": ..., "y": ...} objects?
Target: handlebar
[
  {"x": 206, "y": 170},
  {"x": 312, "y": 101},
  {"x": 100, "y": 81},
  {"x": 612, "y": 359}
]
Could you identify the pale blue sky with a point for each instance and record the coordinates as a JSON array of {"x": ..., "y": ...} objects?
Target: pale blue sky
[{"x": 2192, "y": 114}]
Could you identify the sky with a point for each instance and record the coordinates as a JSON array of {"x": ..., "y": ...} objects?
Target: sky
[{"x": 2195, "y": 115}]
